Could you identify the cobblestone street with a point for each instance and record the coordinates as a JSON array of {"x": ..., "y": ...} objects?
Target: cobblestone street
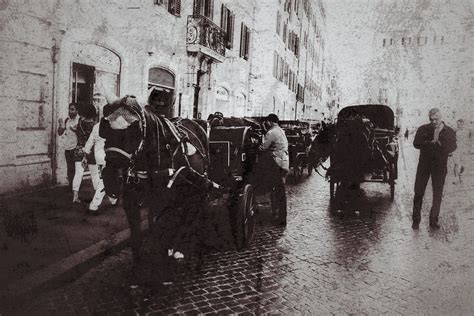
[{"x": 363, "y": 260}]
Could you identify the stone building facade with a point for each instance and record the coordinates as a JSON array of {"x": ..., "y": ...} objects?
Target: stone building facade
[
  {"x": 410, "y": 55},
  {"x": 202, "y": 56},
  {"x": 424, "y": 59},
  {"x": 287, "y": 56}
]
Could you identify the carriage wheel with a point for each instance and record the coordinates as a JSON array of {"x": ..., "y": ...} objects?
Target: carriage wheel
[
  {"x": 391, "y": 180},
  {"x": 243, "y": 217}
]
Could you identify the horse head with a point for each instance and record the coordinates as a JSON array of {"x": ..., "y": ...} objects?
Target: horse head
[{"x": 124, "y": 130}]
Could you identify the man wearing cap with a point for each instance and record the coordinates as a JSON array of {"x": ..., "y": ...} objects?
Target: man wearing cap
[{"x": 276, "y": 145}]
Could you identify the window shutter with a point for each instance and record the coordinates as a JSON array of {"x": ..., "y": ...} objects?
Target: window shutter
[
  {"x": 197, "y": 7},
  {"x": 247, "y": 42},
  {"x": 231, "y": 31},
  {"x": 241, "y": 39},
  {"x": 223, "y": 17},
  {"x": 177, "y": 7}
]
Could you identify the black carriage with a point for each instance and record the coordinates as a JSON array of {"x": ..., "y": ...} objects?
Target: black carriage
[
  {"x": 233, "y": 154},
  {"x": 365, "y": 147},
  {"x": 299, "y": 139}
]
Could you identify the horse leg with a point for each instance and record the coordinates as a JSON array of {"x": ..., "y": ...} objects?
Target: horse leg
[{"x": 132, "y": 211}]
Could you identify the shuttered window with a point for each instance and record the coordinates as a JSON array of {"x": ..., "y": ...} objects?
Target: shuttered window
[
  {"x": 204, "y": 7},
  {"x": 227, "y": 24},
  {"x": 244, "y": 41},
  {"x": 174, "y": 7}
]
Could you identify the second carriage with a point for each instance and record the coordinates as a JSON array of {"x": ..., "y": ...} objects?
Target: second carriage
[
  {"x": 299, "y": 140},
  {"x": 365, "y": 147}
]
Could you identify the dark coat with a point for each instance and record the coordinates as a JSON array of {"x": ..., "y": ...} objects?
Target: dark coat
[{"x": 435, "y": 154}]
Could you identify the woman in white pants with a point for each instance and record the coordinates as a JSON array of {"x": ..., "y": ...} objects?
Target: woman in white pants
[{"x": 87, "y": 113}]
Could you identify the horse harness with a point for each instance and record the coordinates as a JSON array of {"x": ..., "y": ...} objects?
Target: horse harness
[{"x": 170, "y": 132}]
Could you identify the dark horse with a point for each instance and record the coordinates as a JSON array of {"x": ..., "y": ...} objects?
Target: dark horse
[
  {"x": 321, "y": 145},
  {"x": 159, "y": 164}
]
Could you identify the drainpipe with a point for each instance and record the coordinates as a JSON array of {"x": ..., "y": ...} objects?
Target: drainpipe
[
  {"x": 197, "y": 87},
  {"x": 54, "y": 116}
]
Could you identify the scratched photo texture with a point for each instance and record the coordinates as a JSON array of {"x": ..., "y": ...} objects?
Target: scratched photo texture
[{"x": 282, "y": 157}]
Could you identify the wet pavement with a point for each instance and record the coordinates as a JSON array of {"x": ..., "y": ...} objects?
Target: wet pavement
[{"x": 364, "y": 259}]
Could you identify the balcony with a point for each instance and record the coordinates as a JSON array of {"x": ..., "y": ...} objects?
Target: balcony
[{"x": 205, "y": 37}]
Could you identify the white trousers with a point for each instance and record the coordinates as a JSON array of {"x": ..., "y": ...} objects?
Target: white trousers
[
  {"x": 94, "y": 170},
  {"x": 98, "y": 196}
]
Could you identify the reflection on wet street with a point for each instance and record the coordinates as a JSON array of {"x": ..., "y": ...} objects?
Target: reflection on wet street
[{"x": 360, "y": 258}]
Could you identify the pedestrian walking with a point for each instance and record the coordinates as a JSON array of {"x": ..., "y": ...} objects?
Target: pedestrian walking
[
  {"x": 67, "y": 129},
  {"x": 406, "y": 134},
  {"x": 435, "y": 141},
  {"x": 96, "y": 143},
  {"x": 463, "y": 140},
  {"x": 87, "y": 113},
  {"x": 276, "y": 161}
]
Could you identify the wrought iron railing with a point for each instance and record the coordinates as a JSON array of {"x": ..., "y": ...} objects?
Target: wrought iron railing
[{"x": 204, "y": 32}]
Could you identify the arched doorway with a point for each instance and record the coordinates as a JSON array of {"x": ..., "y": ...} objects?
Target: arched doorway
[
  {"x": 93, "y": 66},
  {"x": 163, "y": 97}
]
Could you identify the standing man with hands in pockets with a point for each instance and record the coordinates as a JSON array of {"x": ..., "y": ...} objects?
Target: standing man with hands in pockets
[{"x": 435, "y": 141}]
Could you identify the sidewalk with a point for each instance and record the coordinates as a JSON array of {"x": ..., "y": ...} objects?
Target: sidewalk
[{"x": 44, "y": 238}]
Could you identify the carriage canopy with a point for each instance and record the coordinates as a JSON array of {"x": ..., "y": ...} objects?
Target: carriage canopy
[{"x": 380, "y": 115}]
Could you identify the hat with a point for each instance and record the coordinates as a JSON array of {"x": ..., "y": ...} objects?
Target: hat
[{"x": 273, "y": 118}]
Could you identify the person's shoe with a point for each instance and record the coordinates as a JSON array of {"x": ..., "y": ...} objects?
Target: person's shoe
[
  {"x": 178, "y": 255},
  {"x": 93, "y": 212},
  {"x": 415, "y": 225},
  {"x": 434, "y": 225}
]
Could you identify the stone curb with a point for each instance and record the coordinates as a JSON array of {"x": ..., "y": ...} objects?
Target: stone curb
[{"x": 67, "y": 269}]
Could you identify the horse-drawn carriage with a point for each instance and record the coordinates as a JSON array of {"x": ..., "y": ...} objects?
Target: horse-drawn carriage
[
  {"x": 299, "y": 139},
  {"x": 365, "y": 147},
  {"x": 233, "y": 152}
]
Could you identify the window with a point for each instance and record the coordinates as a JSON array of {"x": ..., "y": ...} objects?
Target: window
[
  {"x": 383, "y": 42},
  {"x": 391, "y": 41},
  {"x": 204, "y": 7},
  {"x": 244, "y": 41},
  {"x": 82, "y": 83},
  {"x": 284, "y": 32},
  {"x": 278, "y": 26},
  {"x": 174, "y": 7},
  {"x": 227, "y": 24},
  {"x": 275, "y": 64},
  {"x": 300, "y": 93}
]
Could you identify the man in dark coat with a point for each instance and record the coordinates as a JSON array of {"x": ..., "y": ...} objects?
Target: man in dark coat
[{"x": 435, "y": 141}]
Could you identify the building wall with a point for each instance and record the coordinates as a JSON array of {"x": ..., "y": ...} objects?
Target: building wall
[
  {"x": 44, "y": 41},
  {"x": 269, "y": 94},
  {"x": 410, "y": 77},
  {"x": 40, "y": 42},
  {"x": 427, "y": 59}
]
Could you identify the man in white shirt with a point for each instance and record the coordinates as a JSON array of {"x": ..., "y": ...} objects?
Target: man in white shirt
[
  {"x": 67, "y": 128},
  {"x": 275, "y": 144}
]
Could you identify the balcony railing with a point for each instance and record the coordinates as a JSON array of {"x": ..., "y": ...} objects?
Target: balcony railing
[{"x": 205, "y": 36}]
